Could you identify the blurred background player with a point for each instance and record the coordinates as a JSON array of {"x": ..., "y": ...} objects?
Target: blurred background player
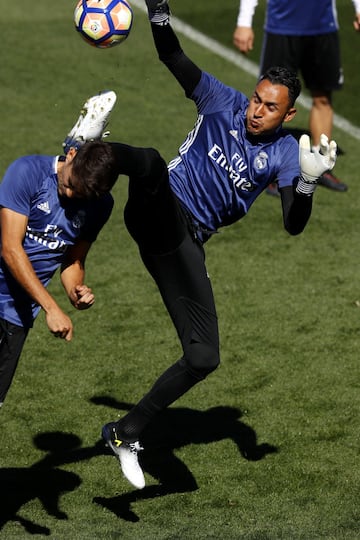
[{"x": 302, "y": 37}]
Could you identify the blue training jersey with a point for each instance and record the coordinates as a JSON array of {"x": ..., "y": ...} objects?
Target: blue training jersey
[
  {"x": 220, "y": 171},
  {"x": 30, "y": 187},
  {"x": 301, "y": 17}
]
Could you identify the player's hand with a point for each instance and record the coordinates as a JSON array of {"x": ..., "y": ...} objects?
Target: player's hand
[
  {"x": 243, "y": 38},
  {"x": 357, "y": 22},
  {"x": 59, "y": 324},
  {"x": 82, "y": 297},
  {"x": 314, "y": 163}
]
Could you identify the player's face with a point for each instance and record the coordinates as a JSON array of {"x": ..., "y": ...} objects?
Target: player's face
[
  {"x": 268, "y": 108},
  {"x": 66, "y": 182}
]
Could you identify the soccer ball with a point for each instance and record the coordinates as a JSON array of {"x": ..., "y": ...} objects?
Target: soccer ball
[{"x": 103, "y": 23}]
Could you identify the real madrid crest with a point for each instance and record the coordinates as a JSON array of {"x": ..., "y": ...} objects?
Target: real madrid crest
[{"x": 260, "y": 161}]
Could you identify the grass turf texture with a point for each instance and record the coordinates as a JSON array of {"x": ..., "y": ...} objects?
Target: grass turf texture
[{"x": 268, "y": 446}]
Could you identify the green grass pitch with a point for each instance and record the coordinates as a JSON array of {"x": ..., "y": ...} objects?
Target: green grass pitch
[{"x": 267, "y": 447}]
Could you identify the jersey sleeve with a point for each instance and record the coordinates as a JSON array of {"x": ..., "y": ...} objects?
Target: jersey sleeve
[
  {"x": 16, "y": 189},
  {"x": 356, "y": 6},
  {"x": 246, "y": 12},
  {"x": 213, "y": 96},
  {"x": 289, "y": 165}
]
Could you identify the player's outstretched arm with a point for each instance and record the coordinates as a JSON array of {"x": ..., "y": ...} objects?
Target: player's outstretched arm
[
  {"x": 169, "y": 48},
  {"x": 296, "y": 210},
  {"x": 297, "y": 201}
]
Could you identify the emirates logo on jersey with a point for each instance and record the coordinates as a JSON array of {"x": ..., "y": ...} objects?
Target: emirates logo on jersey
[{"x": 236, "y": 169}]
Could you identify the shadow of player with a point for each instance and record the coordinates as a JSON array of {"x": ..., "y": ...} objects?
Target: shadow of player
[
  {"x": 173, "y": 429},
  {"x": 42, "y": 481}
]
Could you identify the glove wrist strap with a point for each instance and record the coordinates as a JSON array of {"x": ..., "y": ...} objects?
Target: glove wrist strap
[
  {"x": 304, "y": 187},
  {"x": 160, "y": 15}
]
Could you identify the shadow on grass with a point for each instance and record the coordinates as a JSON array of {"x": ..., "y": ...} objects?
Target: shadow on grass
[
  {"x": 173, "y": 429},
  {"x": 42, "y": 481}
]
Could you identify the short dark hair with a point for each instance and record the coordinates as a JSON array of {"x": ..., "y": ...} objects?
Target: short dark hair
[
  {"x": 95, "y": 169},
  {"x": 281, "y": 75}
]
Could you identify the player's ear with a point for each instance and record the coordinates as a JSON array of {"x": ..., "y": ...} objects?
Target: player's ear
[
  {"x": 290, "y": 114},
  {"x": 71, "y": 153}
]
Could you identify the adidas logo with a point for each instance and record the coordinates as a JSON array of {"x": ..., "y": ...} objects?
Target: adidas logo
[
  {"x": 234, "y": 133},
  {"x": 44, "y": 207}
]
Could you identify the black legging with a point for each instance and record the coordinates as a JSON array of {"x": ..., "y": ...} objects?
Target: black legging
[
  {"x": 176, "y": 261},
  {"x": 12, "y": 339}
]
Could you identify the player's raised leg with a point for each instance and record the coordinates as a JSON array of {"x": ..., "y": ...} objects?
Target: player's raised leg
[{"x": 92, "y": 121}]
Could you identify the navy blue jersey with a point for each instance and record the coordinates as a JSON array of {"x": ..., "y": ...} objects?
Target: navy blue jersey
[
  {"x": 30, "y": 187},
  {"x": 220, "y": 171}
]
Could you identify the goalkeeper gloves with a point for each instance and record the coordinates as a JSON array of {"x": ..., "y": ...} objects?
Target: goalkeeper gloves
[
  {"x": 159, "y": 12},
  {"x": 314, "y": 164}
]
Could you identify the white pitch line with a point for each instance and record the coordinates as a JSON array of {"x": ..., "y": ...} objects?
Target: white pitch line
[{"x": 243, "y": 63}]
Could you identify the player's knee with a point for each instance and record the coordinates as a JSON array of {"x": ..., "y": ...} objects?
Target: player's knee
[
  {"x": 154, "y": 164},
  {"x": 201, "y": 359},
  {"x": 322, "y": 100}
]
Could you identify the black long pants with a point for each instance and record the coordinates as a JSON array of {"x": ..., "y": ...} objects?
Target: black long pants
[
  {"x": 12, "y": 339},
  {"x": 175, "y": 259}
]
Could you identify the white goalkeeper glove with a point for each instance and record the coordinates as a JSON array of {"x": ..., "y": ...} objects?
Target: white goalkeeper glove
[{"x": 314, "y": 164}]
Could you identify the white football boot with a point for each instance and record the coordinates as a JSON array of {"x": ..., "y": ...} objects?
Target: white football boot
[
  {"x": 92, "y": 120},
  {"x": 127, "y": 454}
]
